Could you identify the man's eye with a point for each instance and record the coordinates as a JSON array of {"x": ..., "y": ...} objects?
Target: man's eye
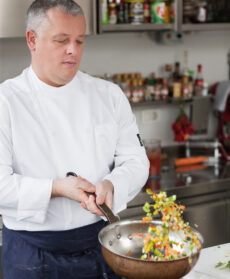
[
  {"x": 61, "y": 41},
  {"x": 80, "y": 42}
]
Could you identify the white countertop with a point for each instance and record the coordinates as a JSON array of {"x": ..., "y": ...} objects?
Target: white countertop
[{"x": 209, "y": 258}]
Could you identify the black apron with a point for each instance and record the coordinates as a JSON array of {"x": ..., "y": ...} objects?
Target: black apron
[{"x": 72, "y": 254}]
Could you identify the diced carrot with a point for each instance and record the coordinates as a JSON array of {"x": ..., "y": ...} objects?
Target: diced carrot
[
  {"x": 164, "y": 218},
  {"x": 146, "y": 220},
  {"x": 129, "y": 253},
  {"x": 138, "y": 234},
  {"x": 152, "y": 227},
  {"x": 155, "y": 196},
  {"x": 166, "y": 250}
]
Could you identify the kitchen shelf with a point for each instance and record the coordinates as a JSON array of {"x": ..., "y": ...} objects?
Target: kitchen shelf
[
  {"x": 170, "y": 101},
  {"x": 136, "y": 27},
  {"x": 178, "y": 26},
  {"x": 205, "y": 26}
]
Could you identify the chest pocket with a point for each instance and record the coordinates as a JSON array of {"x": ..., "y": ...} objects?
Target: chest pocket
[{"x": 105, "y": 139}]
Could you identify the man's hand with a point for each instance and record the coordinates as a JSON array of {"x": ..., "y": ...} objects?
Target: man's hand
[
  {"x": 104, "y": 193},
  {"x": 74, "y": 188}
]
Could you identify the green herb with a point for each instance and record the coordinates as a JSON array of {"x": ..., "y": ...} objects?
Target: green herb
[
  {"x": 219, "y": 264},
  {"x": 223, "y": 265}
]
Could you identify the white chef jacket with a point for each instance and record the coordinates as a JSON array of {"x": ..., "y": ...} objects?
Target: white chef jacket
[{"x": 85, "y": 126}]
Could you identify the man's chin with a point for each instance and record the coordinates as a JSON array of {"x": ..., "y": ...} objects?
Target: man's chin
[{"x": 66, "y": 79}]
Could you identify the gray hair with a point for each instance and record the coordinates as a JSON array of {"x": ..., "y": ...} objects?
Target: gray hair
[{"x": 36, "y": 13}]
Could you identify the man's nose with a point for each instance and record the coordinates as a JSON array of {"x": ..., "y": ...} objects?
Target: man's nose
[{"x": 71, "y": 49}]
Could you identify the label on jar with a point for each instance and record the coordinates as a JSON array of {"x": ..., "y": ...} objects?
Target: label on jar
[
  {"x": 172, "y": 12},
  {"x": 201, "y": 15},
  {"x": 105, "y": 16},
  {"x": 136, "y": 11},
  {"x": 158, "y": 12}
]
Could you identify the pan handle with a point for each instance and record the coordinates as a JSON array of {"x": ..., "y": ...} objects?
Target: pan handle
[{"x": 103, "y": 207}]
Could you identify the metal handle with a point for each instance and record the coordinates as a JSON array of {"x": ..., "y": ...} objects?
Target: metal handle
[{"x": 103, "y": 207}]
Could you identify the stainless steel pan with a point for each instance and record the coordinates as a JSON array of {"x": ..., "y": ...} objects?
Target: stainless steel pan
[{"x": 122, "y": 250}]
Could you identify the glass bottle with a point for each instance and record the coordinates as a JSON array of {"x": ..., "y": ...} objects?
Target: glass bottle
[
  {"x": 201, "y": 12},
  {"x": 127, "y": 89},
  {"x": 146, "y": 11},
  {"x": 105, "y": 16},
  {"x": 176, "y": 73},
  {"x": 121, "y": 12},
  {"x": 140, "y": 89},
  {"x": 135, "y": 93},
  {"x": 112, "y": 13},
  {"x": 199, "y": 82},
  {"x": 185, "y": 70},
  {"x": 151, "y": 85},
  {"x": 165, "y": 90}
]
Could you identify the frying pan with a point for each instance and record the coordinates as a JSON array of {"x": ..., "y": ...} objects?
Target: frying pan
[{"x": 122, "y": 250}]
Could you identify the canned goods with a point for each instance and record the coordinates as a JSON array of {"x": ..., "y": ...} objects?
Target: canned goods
[
  {"x": 158, "y": 9},
  {"x": 136, "y": 11}
]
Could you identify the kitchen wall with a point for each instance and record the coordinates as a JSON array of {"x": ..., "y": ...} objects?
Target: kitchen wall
[{"x": 132, "y": 52}]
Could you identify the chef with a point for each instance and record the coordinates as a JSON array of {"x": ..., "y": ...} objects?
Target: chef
[{"x": 55, "y": 119}]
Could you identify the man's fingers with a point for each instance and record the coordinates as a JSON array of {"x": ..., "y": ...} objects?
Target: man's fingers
[
  {"x": 101, "y": 196},
  {"x": 109, "y": 199},
  {"x": 83, "y": 205},
  {"x": 86, "y": 185},
  {"x": 92, "y": 207}
]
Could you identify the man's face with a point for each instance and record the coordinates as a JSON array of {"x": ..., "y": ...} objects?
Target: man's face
[{"x": 58, "y": 48}]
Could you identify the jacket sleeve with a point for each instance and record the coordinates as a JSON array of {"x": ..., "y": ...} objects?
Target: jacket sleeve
[
  {"x": 21, "y": 197},
  {"x": 131, "y": 165}
]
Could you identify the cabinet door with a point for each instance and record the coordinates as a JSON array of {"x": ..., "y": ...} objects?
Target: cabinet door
[
  {"x": 12, "y": 18},
  {"x": 211, "y": 219}
]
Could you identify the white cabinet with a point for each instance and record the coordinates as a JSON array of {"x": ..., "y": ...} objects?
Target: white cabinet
[{"x": 13, "y": 16}]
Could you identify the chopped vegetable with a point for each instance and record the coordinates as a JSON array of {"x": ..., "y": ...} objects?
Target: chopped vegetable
[
  {"x": 138, "y": 234},
  {"x": 222, "y": 265},
  {"x": 157, "y": 245},
  {"x": 129, "y": 253}
]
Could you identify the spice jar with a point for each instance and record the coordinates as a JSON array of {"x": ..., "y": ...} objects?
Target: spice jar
[
  {"x": 201, "y": 12},
  {"x": 136, "y": 11},
  {"x": 112, "y": 13}
]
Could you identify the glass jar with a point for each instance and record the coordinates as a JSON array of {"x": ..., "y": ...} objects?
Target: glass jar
[
  {"x": 136, "y": 11},
  {"x": 201, "y": 12}
]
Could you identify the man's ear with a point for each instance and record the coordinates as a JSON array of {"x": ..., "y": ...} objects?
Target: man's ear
[{"x": 31, "y": 38}]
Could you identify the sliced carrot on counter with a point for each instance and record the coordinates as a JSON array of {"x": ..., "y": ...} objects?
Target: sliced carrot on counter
[{"x": 190, "y": 161}]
